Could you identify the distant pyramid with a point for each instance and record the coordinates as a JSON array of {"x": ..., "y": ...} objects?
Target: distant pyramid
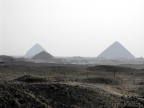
[
  {"x": 43, "y": 56},
  {"x": 116, "y": 51},
  {"x": 34, "y": 50}
]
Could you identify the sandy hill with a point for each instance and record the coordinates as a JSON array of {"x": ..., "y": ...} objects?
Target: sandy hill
[
  {"x": 116, "y": 51},
  {"x": 34, "y": 50}
]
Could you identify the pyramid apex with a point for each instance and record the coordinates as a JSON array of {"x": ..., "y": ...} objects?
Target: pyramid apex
[
  {"x": 37, "y": 44},
  {"x": 116, "y": 42},
  {"x": 43, "y": 52}
]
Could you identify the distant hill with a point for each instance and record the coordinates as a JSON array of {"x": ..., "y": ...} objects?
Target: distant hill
[
  {"x": 6, "y": 59},
  {"x": 34, "y": 50},
  {"x": 116, "y": 51},
  {"x": 43, "y": 56}
]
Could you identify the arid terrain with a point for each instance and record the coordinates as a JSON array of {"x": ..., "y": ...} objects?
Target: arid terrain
[{"x": 45, "y": 85}]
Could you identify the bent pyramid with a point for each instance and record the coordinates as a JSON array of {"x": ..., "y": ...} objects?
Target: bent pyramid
[
  {"x": 34, "y": 50},
  {"x": 116, "y": 51},
  {"x": 43, "y": 56}
]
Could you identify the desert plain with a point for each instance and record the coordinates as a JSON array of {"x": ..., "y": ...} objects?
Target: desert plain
[{"x": 26, "y": 84}]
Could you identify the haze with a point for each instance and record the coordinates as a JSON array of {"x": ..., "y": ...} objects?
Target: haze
[{"x": 71, "y": 27}]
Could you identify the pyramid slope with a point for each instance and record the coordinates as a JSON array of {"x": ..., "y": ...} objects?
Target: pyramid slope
[
  {"x": 116, "y": 51},
  {"x": 43, "y": 56},
  {"x": 34, "y": 50}
]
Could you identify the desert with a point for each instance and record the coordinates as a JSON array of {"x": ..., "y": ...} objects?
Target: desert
[{"x": 26, "y": 84}]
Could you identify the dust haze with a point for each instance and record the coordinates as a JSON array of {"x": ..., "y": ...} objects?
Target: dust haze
[{"x": 71, "y": 54}]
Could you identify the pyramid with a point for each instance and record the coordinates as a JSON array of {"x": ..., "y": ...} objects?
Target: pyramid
[
  {"x": 116, "y": 51},
  {"x": 34, "y": 50},
  {"x": 43, "y": 56}
]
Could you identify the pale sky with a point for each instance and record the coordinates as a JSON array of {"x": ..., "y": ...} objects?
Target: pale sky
[{"x": 71, "y": 27}]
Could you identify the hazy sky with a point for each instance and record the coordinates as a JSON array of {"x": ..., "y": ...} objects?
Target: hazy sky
[{"x": 71, "y": 27}]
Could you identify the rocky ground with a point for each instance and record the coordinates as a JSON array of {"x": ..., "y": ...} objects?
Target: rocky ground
[{"x": 65, "y": 86}]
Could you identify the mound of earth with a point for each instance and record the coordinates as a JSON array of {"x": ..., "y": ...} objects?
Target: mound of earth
[
  {"x": 31, "y": 79},
  {"x": 58, "y": 96},
  {"x": 110, "y": 68},
  {"x": 7, "y": 59},
  {"x": 142, "y": 69},
  {"x": 64, "y": 69},
  {"x": 100, "y": 80}
]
